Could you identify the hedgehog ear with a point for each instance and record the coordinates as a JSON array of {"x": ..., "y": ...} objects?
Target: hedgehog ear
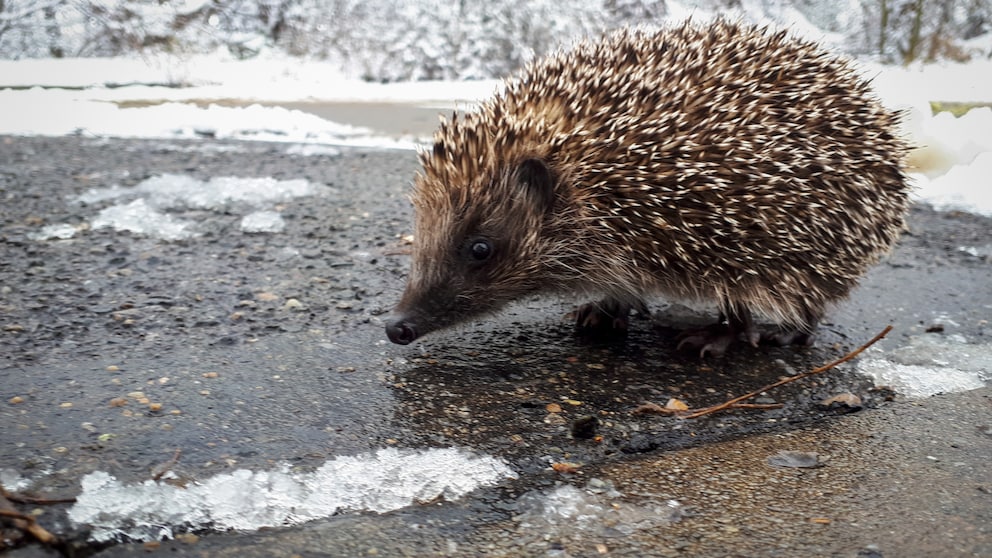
[{"x": 535, "y": 179}]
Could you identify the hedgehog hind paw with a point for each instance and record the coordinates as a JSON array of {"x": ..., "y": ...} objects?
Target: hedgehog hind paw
[
  {"x": 607, "y": 315},
  {"x": 716, "y": 339},
  {"x": 798, "y": 337},
  {"x": 735, "y": 324}
]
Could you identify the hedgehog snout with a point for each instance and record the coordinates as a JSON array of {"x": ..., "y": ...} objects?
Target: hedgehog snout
[{"x": 401, "y": 331}]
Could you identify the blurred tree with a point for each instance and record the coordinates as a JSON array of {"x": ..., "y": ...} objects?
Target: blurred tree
[{"x": 388, "y": 40}]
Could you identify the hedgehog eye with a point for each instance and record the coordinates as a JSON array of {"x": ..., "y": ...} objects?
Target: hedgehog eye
[{"x": 480, "y": 249}]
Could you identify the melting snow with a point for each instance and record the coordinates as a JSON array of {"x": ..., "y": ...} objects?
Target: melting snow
[
  {"x": 951, "y": 155},
  {"x": 59, "y": 231},
  {"x": 140, "y": 218},
  {"x": 963, "y": 188},
  {"x": 931, "y": 364},
  {"x": 155, "y": 201},
  {"x": 263, "y": 222},
  {"x": 379, "y": 482},
  {"x": 12, "y": 480}
]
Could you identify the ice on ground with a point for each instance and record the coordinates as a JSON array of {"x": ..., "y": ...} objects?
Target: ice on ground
[
  {"x": 140, "y": 218},
  {"x": 155, "y": 201},
  {"x": 58, "y": 231},
  {"x": 311, "y": 150},
  {"x": 977, "y": 251},
  {"x": 930, "y": 364},
  {"x": 263, "y": 222},
  {"x": 378, "y": 482},
  {"x": 598, "y": 510},
  {"x": 12, "y": 481},
  {"x": 178, "y": 191}
]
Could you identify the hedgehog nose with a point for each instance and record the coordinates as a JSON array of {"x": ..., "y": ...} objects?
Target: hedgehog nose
[{"x": 401, "y": 332}]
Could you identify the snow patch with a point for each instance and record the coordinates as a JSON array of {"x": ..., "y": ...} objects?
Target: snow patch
[
  {"x": 943, "y": 141},
  {"x": 140, "y": 218},
  {"x": 311, "y": 150},
  {"x": 930, "y": 364},
  {"x": 12, "y": 481},
  {"x": 222, "y": 193},
  {"x": 59, "y": 112},
  {"x": 59, "y": 231},
  {"x": 155, "y": 201},
  {"x": 950, "y": 158},
  {"x": 263, "y": 222},
  {"x": 379, "y": 482},
  {"x": 963, "y": 188}
]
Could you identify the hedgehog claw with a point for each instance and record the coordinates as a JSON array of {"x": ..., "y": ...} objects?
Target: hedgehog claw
[
  {"x": 713, "y": 341},
  {"x": 606, "y": 315},
  {"x": 785, "y": 338},
  {"x": 716, "y": 339}
]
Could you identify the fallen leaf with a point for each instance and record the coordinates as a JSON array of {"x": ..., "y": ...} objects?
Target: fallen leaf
[
  {"x": 565, "y": 467},
  {"x": 676, "y": 405},
  {"x": 844, "y": 400},
  {"x": 648, "y": 407}
]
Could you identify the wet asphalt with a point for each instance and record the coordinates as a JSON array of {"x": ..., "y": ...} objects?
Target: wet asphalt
[{"x": 116, "y": 350}]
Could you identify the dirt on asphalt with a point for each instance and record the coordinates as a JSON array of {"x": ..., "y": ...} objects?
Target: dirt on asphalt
[{"x": 235, "y": 375}]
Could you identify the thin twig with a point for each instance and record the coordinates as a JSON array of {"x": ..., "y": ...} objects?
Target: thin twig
[
  {"x": 25, "y": 522},
  {"x": 736, "y": 401},
  {"x": 22, "y": 499},
  {"x": 164, "y": 468},
  {"x": 646, "y": 408}
]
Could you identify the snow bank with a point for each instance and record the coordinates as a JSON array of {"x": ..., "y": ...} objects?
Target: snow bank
[
  {"x": 60, "y": 112},
  {"x": 948, "y": 161}
]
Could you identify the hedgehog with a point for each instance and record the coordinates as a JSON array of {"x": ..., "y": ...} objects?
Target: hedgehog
[{"x": 722, "y": 163}]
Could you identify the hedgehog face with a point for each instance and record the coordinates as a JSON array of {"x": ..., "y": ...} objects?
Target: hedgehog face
[{"x": 477, "y": 247}]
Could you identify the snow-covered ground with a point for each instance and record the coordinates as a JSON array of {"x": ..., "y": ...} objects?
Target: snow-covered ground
[{"x": 172, "y": 97}]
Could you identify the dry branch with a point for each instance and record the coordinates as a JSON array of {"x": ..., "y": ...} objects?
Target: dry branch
[{"x": 736, "y": 402}]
